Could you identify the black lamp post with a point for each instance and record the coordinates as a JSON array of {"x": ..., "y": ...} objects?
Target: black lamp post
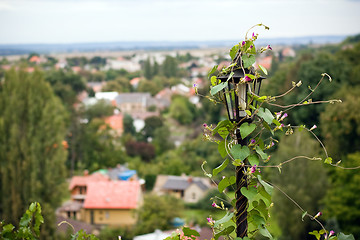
[{"x": 235, "y": 96}]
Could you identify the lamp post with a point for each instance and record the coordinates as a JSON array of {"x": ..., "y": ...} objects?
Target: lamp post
[{"x": 235, "y": 96}]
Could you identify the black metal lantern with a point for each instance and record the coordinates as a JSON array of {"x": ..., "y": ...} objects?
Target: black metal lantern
[{"x": 235, "y": 95}]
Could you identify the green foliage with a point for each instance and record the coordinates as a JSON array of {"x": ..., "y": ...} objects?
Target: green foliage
[
  {"x": 29, "y": 226},
  {"x": 182, "y": 110},
  {"x": 94, "y": 143},
  {"x": 157, "y": 212},
  {"x": 32, "y": 155},
  {"x": 151, "y": 124},
  {"x": 119, "y": 84},
  {"x": 340, "y": 124},
  {"x": 100, "y": 109},
  {"x": 66, "y": 85},
  {"x": 111, "y": 233},
  {"x": 170, "y": 67},
  {"x": 303, "y": 180},
  {"x": 341, "y": 200}
]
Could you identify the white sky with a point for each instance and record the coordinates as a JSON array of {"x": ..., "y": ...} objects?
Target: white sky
[{"x": 65, "y": 21}]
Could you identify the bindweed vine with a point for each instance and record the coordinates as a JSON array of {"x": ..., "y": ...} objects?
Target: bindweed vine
[{"x": 245, "y": 142}]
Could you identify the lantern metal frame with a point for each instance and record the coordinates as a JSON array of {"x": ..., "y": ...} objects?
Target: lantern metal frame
[{"x": 236, "y": 107}]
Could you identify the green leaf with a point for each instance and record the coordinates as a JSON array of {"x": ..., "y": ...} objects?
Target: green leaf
[
  {"x": 214, "y": 90},
  {"x": 248, "y": 60},
  {"x": 32, "y": 207},
  {"x": 265, "y": 114},
  {"x": 328, "y": 160},
  {"x": 262, "y": 209},
  {"x": 225, "y": 123},
  {"x": 303, "y": 215},
  {"x": 246, "y": 129},
  {"x": 222, "y": 149},
  {"x": 264, "y": 196},
  {"x": 221, "y": 167},
  {"x": 225, "y": 182},
  {"x": 190, "y": 232},
  {"x": 240, "y": 152},
  {"x": 253, "y": 160},
  {"x": 316, "y": 234},
  {"x": 263, "y": 69},
  {"x": 230, "y": 76},
  {"x": 263, "y": 231},
  {"x": 249, "y": 193},
  {"x": 214, "y": 81},
  {"x": 233, "y": 51},
  {"x": 228, "y": 216},
  {"x": 268, "y": 127},
  {"x": 258, "y": 220},
  {"x": 7, "y": 228},
  {"x": 212, "y": 70},
  {"x": 226, "y": 231},
  {"x": 25, "y": 219},
  {"x": 261, "y": 153},
  {"x": 342, "y": 236},
  {"x": 268, "y": 187}
]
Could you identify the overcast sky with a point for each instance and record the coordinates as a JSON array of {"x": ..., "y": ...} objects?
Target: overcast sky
[{"x": 65, "y": 21}]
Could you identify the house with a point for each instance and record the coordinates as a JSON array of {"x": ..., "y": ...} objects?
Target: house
[
  {"x": 133, "y": 102},
  {"x": 121, "y": 63},
  {"x": 265, "y": 62},
  {"x": 70, "y": 210},
  {"x": 112, "y": 203},
  {"x": 190, "y": 189},
  {"x": 115, "y": 122},
  {"x": 79, "y": 184}
]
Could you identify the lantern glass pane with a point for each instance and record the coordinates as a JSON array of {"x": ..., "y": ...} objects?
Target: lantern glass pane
[
  {"x": 230, "y": 101},
  {"x": 242, "y": 99}
]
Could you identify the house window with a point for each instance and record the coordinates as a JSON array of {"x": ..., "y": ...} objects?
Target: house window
[
  {"x": 92, "y": 216},
  {"x": 107, "y": 214},
  {"x": 69, "y": 214},
  {"x": 193, "y": 195}
]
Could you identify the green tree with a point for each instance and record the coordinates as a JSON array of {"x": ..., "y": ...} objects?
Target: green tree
[
  {"x": 149, "y": 86},
  {"x": 170, "y": 67},
  {"x": 340, "y": 123},
  {"x": 32, "y": 156},
  {"x": 97, "y": 147},
  {"x": 182, "y": 110},
  {"x": 100, "y": 109},
  {"x": 66, "y": 85},
  {"x": 128, "y": 122},
  {"x": 162, "y": 141},
  {"x": 302, "y": 179},
  {"x": 148, "y": 72},
  {"x": 151, "y": 124},
  {"x": 342, "y": 200},
  {"x": 120, "y": 84},
  {"x": 157, "y": 213}
]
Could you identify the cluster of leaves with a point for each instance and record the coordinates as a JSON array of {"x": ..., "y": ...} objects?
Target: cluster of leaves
[
  {"x": 234, "y": 144},
  {"x": 29, "y": 226}
]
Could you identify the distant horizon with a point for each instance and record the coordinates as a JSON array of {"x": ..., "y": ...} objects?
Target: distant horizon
[{"x": 181, "y": 41}]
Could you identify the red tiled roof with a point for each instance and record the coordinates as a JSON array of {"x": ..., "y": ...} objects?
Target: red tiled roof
[
  {"x": 85, "y": 180},
  {"x": 112, "y": 195},
  {"x": 135, "y": 81},
  {"x": 115, "y": 122}
]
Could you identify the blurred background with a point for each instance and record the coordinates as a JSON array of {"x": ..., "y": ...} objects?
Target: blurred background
[{"x": 100, "y": 123}]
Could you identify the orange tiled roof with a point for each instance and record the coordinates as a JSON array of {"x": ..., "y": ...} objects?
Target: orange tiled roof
[
  {"x": 115, "y": 122},
  {"x": 112, "y": 195},
  {"x": 85, "y": 180}
]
